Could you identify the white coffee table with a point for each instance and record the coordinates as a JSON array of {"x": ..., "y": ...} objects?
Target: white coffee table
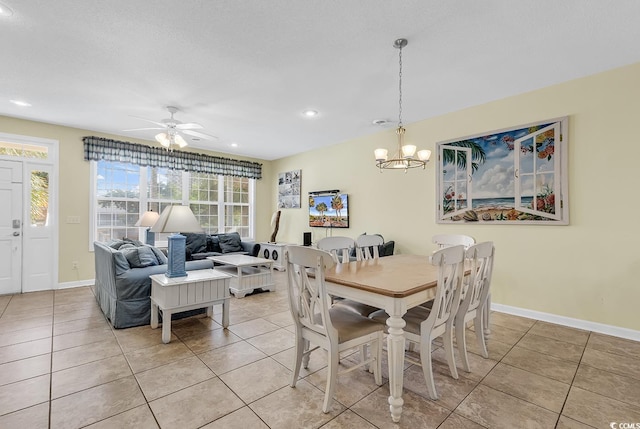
[
  {"x": 199, "y": 289},
  {"x": 248, "y": 273}
]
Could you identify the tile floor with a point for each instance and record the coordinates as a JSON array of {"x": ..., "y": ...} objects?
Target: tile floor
[{"x": 62, "y": 366}]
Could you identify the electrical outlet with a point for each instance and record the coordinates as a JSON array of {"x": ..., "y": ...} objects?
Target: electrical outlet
[{"x": 74, "y": 265}]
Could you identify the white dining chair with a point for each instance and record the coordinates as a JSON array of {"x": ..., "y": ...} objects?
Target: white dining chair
[
  {"x": 423, "y": 324},
  {"x": 368, "y": 246},
  {"x": 479, "y": 259},
  {"x": 448, "y": 240},
  {"x": 333, "y": 329},
  {"x": 339, "y": 247}
]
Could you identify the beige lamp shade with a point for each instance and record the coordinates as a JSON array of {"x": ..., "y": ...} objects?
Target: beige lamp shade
[
  {"x": 148, "y": 219},
  {"x": 177, "y": 219}
]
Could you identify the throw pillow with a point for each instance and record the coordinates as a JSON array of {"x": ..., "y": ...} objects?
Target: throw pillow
[
  {"x": 161, "y": 257},
  {"x": 213, "y": 244},
  {"x": 140, "y": 257},
  {"x": 196, "y": 243},
  {"x": 230, "y": 242}
]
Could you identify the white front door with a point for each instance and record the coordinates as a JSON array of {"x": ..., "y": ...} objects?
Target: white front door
[{"x": 10, "y": 227}]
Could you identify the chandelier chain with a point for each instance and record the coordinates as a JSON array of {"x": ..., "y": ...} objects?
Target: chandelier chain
[{"x": 400, "y": 89}]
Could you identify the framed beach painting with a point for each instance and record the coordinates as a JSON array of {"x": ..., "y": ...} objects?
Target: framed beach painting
[
  {"x": 511, "y": 176},
  {"x": 289, "y": 189}
]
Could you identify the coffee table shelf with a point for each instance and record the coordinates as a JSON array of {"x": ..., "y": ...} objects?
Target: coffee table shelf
[{"x": 247, "y": 273}]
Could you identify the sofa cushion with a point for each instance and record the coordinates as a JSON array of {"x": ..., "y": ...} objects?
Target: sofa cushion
[
  {"x": 140, "y": 257},
  {"x": 230, "y": 242},
  {"x": 195, "y": 243},
  {"x": 213, "y": 244},
  {"x": 161, "y": 257}
]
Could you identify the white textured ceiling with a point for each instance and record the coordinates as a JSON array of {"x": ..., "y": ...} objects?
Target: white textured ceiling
[{"x": 246, "y": 69}]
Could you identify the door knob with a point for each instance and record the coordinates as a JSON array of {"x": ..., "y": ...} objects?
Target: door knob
[{"x": 16, "y": 234}]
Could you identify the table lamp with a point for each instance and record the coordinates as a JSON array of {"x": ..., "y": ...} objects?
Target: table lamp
[
  {"x": 148, "y": 219},
  {"x": 176, "y": 219}
]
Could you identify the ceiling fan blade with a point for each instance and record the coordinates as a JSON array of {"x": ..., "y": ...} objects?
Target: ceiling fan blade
[
  {"x": 160, "y": 124},
  {"x": 144, "y": 129},
  {"x": 189, "y": 126},
  {"x": 200, "y": 135}
]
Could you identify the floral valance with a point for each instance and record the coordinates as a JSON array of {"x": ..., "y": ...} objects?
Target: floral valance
[{"x": 97, "y": 148}]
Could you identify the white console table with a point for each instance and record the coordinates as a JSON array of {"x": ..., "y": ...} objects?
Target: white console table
[
  {"x": 275, "y": 252},
  {"x": 199, "y": 289}
]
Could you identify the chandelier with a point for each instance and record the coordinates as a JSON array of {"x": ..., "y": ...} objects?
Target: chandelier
[
  {"x": 407, "y": 156},
  {"x": 171, "y": 138}
]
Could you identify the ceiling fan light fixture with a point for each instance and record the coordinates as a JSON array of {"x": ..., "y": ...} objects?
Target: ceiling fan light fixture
[
  {"x": 163, "y": 139},
  {"x": 180, "y": 141}
]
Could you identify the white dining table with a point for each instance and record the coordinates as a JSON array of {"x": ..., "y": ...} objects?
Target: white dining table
[{"x": 394, "y": 283}]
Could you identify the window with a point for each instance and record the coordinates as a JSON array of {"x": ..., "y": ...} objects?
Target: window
[
  {"x": 220, "y": 203},
  {"x": 39, "y": 203}
]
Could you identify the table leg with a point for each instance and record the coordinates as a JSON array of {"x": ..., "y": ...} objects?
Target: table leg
[
  {"x": 154, "y": 315},
  {"x": 166, "y": 326},
  {"x": 225, "y": 312},
  {"x": 395, "y": 347}
]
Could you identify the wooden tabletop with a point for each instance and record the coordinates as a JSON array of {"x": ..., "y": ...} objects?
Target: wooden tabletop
[{"x": 397, "y": 276}]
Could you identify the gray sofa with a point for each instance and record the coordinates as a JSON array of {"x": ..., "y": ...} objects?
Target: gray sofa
[
  {"x": 200, "y": 246},
  {"x": 123, "y": 286}
]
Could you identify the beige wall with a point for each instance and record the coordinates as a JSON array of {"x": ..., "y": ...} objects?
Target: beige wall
[
  {"x": 74, "y": 192},
  {"x": 587, "y": 270}
]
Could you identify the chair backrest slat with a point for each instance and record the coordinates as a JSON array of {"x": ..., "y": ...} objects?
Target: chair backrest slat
[
  {"x": 339, "y": 247},
  {"x": 448, "y": 240},
  {"x": 368, "y": 247},
  {"x": 449, "y": 261},
  {"x": 480, "y": 259}
]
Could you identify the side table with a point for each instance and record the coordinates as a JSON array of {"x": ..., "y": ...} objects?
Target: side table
[
  {"x": 199, "y": 289},
  {"x": 275, "y": 252}
]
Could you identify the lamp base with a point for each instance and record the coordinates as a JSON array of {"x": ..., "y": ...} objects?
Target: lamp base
[
  {"x": 176, "y": 256},
  {"x": 151, "y": 237}
]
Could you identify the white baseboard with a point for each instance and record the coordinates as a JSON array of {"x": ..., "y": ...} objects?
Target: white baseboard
[
  {"x": 569, "y": 321},
  {"x": 79, "y": 283}
]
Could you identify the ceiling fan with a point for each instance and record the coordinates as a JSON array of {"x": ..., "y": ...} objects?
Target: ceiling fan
[{"x": 172, "y": 129}]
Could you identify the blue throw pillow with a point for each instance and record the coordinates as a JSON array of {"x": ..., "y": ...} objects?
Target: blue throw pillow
[
  {"x": 230, "y": 243},
  {"x": 140, "y": 257}
]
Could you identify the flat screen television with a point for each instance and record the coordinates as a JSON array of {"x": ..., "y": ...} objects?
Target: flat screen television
[{"x": 329, "y": 211}]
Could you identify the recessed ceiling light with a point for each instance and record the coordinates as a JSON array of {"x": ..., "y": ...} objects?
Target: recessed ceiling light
[
  {"x": 234, "y": 145},
  {"x": 310, "y": 113},
  {"x": 20, "y": 103},
  {"x": 5, "y": 10},
  {"x": 380, "y": 122}
]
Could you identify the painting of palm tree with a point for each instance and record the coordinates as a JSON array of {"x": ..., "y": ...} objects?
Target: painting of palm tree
[
  {"x": 328, "y": 211},
  {"x": 336, "y": 204}
]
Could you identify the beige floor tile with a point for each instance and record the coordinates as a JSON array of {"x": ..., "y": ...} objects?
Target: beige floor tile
[
  {"x": 19, "y": 313},
  {"x": 258, "y": 379},
  {"x": 504, "y": 335},
  {"x": 82, "y": 313},
  {"x": 621, "y": 388},
  {"x": 140, "y": 337},
  {"x": 542, "y": 364},
  {"x": 24, "y": 394},
  {"x": 493, "y": 409},
  {"x": 170, "y": 378},
  {"x": 350, "y": 387},
  {"x": 575, "y": 336},
  {"x": 567, "y": 423},
  {"x": 511, "y": 321},
  {"x": 615, "y": 345},
  {"x": 348, "y": 420},
  {"x": 95, "y": 404},
  {"x": 211, "y": 340},
  {"x": 24, "y": 368},
  {"x": 253, "y": 328},
  {"x": 80, "y": 355},
  {"x": 192, "y": 326},
  {"x": 303, "y": 410},
  {"x": 4, "y": 301},
  {"x": 496, "y": 349},
  {"x": 36, "y": 417},
  {"x": 155, "y": 356},
  {"x": 195, "y": 406},
  {"x": 479, "y": 365},
  {"x": 619, "y": 364},
  {"x": 243, "y": 418},
  {"x": 79, "y": 325},
  {"x": 281, "y": 319},
  {"x": 317, "y": 361},
  {"x": 456, "y": 421},
  {"x": 450, "y": 391},
  {"x": 273, "y": 342},
  {"x": 539, "y": 390},
  {"x": 80, "y": 338},
  {"x": 76, "y": 305},
  {"x": 551, "y": 347},
  {"x": 91, "y": 374},
  {"x": 25, "y": 350},
  {"x": 596, "y": 410},
  {"x": 139, "y": 418},
  {"x": 233, "y": 356},
  {"x": 18, "y": 325},
  {"x": 417, "y": 411}
]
